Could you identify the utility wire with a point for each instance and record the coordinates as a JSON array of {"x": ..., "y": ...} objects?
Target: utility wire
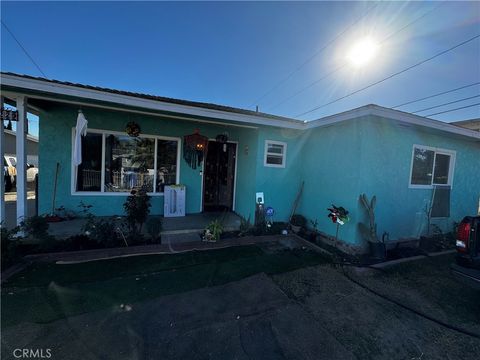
[
  {"x": 346, "y": 62},
  {"x": 390, "y": 76},
  {"x": 448, "y": 103},
  {"x": 447, "y": 111},
  {"x": 286, "y": 78},
  {"x": 434, "y": 95},
  {"x": 23, "y": 48}
]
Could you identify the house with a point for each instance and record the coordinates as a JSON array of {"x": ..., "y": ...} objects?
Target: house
[
  {"x": 472, "y": 124},
  {"x": 397, "y": 156},
  {"x": 31, "y": 144}
]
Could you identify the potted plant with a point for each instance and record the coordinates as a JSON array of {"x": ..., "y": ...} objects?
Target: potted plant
[
  {"x": 213, "y": 231},
  {"x": 369, "y": 232},
  {"x": 297, "y": 222}
]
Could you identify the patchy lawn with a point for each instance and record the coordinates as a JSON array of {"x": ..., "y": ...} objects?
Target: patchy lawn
[
  {"x": 45, "y": 292},
  {"x": 428, "y": 286},
  {"x": 250, "y": 302},
  {"x": 374, "y": 328}
]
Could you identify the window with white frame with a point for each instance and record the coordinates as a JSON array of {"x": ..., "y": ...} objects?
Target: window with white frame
[
  {"x": 431, "y": 166},
  {"x": 275, "y": 153},
  {"x": 117, "y": 163}
]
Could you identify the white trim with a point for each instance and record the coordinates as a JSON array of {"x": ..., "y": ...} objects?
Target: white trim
[
  {"x": 29, "y": 136},
  {"x": 391, "y": 114},
  {"x": 71, "y": 90},
  {"x": 234, "y": 201},
  {"x": 149, "y": 113},
  {"x": 155, "y": 148},
  {"x": 266, "y": 153},
  {"x": 2, "y": 177},
  {"x": 21, "y": 154},
  {"x": 451, "y": 167},
  {"x": 102, "y": 174},
  {"x": 99, "y": 95},
  {"x": 102, "y": 191}
]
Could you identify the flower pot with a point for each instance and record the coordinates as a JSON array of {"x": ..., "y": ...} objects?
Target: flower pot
[
  {"x": 377, "y": 250},
  {"x": 296, "y": 229}
]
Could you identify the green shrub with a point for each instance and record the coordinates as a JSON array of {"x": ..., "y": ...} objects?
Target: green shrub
[
  {"x": 103, "y": 231},
  {"x": 137, "y": 208},
  {"x": 35, "y": 226},
  {"x": 10, "y": 249}
]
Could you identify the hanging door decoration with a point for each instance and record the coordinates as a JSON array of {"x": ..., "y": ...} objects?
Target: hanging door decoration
[{"x": 194, "y": 148}]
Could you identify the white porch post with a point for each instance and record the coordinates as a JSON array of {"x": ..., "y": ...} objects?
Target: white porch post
[
  {"x": 2, "y": 178},
  {"x": 21, "y": 159}
]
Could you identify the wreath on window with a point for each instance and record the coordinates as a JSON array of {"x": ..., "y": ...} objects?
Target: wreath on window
[{"x": 132, "y": 129}]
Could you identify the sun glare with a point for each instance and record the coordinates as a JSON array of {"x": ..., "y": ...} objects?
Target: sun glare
[{"x": 363, "y": 52}]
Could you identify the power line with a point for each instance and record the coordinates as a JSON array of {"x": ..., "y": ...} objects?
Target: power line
[
  {"x": 346, "y": 63},
  {"x": 432, "y": 96},
  {"x": 390, "y": 76},
  {"x": 23, "y": 48},
  {"x": 285, "y": 79},
  {"x": 447, "y": 111},
  {"x": 448, "y": 103}
]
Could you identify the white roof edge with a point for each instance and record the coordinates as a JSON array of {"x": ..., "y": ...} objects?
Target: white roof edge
[
  {"x": 99, "y": 95},
  {"x": 29, "y": 136},
  {"x": 394, "y": 115}
]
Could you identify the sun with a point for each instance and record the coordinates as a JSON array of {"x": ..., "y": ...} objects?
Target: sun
[{"x": 363, "y": 52}]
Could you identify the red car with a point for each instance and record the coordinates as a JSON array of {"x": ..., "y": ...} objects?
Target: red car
[{"x": 467, "y": 265}]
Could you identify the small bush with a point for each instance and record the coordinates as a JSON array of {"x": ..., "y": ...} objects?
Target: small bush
[
  {"x": 35, "y": 226},
  {"x": 10, "y": 248},
  {"x": 137, "y": 208},
  {"x": 103, "y": 231},
  {"x": 81, "y": 242}
]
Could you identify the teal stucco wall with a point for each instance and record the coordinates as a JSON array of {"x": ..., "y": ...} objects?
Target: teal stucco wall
[
  {"x": 386, "y": 161},
  {"x": 56, "y": 146},
  {"x": 331, "y": 171},
  {"x": 373, "y": 155},
  {"x": 337, "y": 163}
]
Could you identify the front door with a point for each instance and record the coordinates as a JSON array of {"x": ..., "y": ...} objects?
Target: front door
[{"x": 219, "y": 176}]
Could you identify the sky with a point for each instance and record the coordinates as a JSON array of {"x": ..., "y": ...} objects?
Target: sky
[{"x": 288, "y": 58}]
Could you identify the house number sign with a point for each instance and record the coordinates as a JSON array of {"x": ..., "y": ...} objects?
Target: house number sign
[{"x": 8, "y": 114}]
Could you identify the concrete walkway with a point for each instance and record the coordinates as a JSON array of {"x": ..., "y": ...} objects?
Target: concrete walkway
[{"x": 248, "y": 319}]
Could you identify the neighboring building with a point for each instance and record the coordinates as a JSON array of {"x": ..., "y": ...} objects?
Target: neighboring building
[
  {"x": 397, "y": 156},
  {"x": 473, "y": 124},
  {"x": 32, "y": 146}
]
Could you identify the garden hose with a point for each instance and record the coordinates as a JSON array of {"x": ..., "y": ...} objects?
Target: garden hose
[{"x": 419, "y": 313}]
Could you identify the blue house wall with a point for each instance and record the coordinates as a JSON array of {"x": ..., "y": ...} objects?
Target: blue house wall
[
  {"x": 368, "y": 154},
  {"x": 385, "y": 171},
  {"x": 56, "y": 146}
]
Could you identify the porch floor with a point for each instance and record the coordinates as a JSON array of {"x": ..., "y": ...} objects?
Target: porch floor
[{"x": 198, "y": 222}]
